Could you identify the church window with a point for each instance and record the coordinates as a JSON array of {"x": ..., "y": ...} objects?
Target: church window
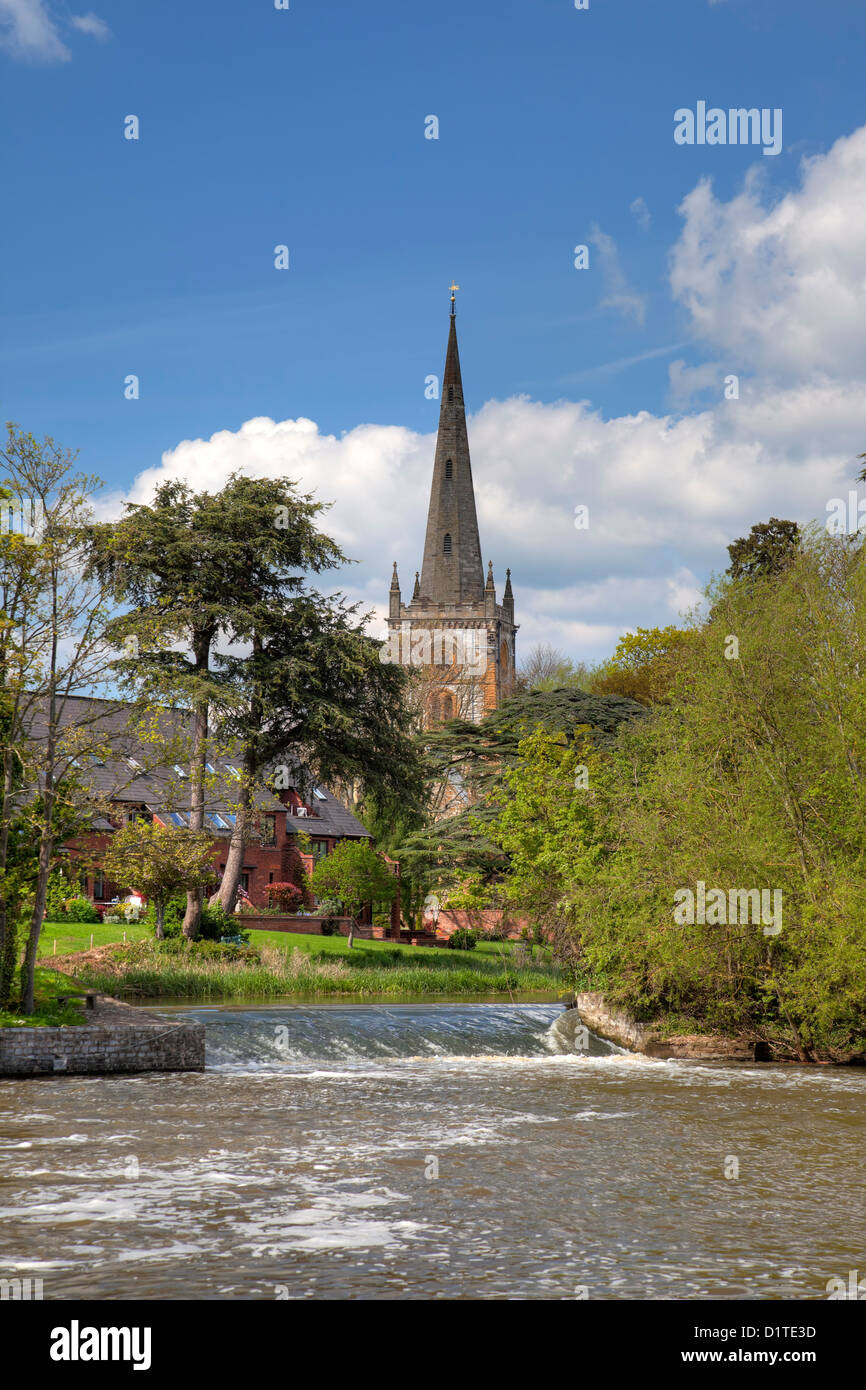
[
  {"x": 449, "y": 468},
  {"x": 446, "y": 544},
  {"x": 450, "y": 393}
]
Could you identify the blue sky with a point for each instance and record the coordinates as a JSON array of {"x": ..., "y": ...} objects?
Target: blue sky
[{"x": 306, "y": 127}]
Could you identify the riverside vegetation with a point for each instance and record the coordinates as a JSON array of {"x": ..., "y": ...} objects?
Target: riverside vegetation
[
  {"x": 749, "y": 771},
  {"x": 179, "y": 969}
]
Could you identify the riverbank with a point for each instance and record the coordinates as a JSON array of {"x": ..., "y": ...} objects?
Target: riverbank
[
  {"x": 664, "y": 1042},
  {"x": 58, "y": 1004},
  {"x": 180, "y": 970}
]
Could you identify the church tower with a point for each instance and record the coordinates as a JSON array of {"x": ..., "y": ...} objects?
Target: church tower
[{"x": 453, "y": 628}]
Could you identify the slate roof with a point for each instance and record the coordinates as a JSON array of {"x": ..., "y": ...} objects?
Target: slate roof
[{"x": 104, "y": 747}]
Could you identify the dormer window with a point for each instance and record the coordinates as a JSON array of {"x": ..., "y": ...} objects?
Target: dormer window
[
  {"x": 449, "y": 468},
  {"x": 446, "y": 544}
]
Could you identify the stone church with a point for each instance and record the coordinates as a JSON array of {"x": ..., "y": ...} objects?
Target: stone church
[{"x": 453, "y": 628}]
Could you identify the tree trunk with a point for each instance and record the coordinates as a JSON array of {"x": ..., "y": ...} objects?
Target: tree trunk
[
  {"x": 227, "y": 894},
  {"x": 160, "y": 921},
  {"x": 28, "y": 969},
  {"x": 192, "y": 916},
  {"x": 8, "y": 907}
]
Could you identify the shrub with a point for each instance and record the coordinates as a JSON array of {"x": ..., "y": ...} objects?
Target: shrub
[
  {"x": 285, "y": 896},
  {"x": 463, "y": 939},
  {"x": 330, "y": 926},
  {"x": 215, "y": 921},
  {"x": 81, "y": 910}
]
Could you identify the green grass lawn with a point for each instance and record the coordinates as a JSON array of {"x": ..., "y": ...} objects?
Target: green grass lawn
[
  {"x": 48, "y": 1010},
  {"x": 77, "y": 938},
  {"x": 293, "y": 963}
]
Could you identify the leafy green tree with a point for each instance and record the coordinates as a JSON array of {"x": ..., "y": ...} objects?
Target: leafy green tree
[
  {"x": 646, "y": 664},
  {"x": 749, "y": 780},
  {"x": 356, "y": 875},
  {"x": 52, "y": 645},
  {"x": 159, "y": 861},
  {"x": 768, "y": 549},
  {"x": 474, "y": 760},
  {"x": 209, "y": 570}
]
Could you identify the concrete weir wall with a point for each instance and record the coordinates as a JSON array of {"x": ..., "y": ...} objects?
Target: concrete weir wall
[{"x": 119, "y": 1039}]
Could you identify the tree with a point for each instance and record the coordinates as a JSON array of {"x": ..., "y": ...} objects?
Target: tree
[
  {"x": 748, "y": 782},
  {"x": 356, "y": 875},
  {"x": 159, "y": 862},
  {"x": 767, "y": 550},
  {"x": 476, "y": 758},
  {"x": 545, "y": 668},
  {"x": 211, "y": 570},
  {"x": 645, "y": 664},
  {"x": 314, "y": 700},
  {"x": 52, "y": 646}
]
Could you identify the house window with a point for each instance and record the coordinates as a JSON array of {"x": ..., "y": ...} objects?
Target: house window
[
  {"x": 99, "y": 886},
  {"x": 320, "y": 849},
  {"x": 449, "y": 468},
  {"x": 446, "y": 544},
  {"x": 269, "y": 831},
  {"x": 245, "y": 882}
]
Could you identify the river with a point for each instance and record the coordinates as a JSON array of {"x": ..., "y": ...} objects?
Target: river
[{"x": 447, "y": 1150}]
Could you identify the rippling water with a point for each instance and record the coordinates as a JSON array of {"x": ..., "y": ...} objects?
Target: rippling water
[{"x": 432, "y": 1151}]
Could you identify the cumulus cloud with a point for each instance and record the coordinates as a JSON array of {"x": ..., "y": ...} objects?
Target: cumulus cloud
[
  {"x": 666, "y": 493},
  {"x": 780, "y": 286}
]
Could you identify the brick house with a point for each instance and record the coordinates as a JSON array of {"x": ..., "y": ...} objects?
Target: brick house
[{"x": 119, "y": 771}]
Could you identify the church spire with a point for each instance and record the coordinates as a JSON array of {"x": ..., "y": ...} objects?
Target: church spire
[{"x": 452, "y": 572}]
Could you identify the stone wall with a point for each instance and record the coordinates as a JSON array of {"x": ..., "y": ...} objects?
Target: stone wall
[{"x": 119, "y": 1039}]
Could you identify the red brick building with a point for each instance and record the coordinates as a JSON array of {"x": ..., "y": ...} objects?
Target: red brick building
[{"x": 122, "y": 776}]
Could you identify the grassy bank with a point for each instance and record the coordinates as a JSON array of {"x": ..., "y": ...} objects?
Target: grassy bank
[
  {"x": 306, "y": 965},
  {"x": 49, "y": 1011}
]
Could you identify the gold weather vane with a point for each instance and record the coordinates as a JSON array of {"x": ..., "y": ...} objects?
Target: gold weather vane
[{"x": 453, "y": 288}]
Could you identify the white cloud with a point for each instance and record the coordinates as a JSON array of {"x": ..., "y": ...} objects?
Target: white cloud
[
  {"x": 28, "y": 31},
  {"x": 781, "y": 286},
  {"x": 618, "y": 293},
  {"x": 91, "y": 24}
]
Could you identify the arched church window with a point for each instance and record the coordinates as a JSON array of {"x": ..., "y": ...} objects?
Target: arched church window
[
  {"x": 446, "y": 544},
  {"x": 449, "y": 468}
]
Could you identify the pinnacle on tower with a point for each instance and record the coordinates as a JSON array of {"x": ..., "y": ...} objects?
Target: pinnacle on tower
[{"x": 394, "y": 595}]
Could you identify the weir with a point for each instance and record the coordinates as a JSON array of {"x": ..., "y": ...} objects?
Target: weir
[{"x": 275, "y": 1037}]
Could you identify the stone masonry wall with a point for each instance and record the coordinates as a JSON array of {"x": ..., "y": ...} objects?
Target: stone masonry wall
[{"x": 120, "y": 1039}]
